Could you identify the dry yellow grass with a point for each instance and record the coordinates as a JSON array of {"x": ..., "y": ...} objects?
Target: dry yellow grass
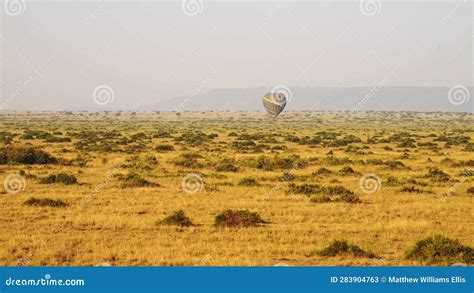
[{"x": 108, "y": 223}]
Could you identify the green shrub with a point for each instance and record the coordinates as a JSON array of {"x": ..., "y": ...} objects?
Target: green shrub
[
  {"x": 135, "y": 180},
  {"x": 395, "y": 165},
  {"x": 25, "y": 155},
  {"x": 392, "y": 181},
  {"x": 350, "y": 198},
  {"x": 306, "y": 189},
  {"x": 327, "y": 194},
  {"x": 195, "y": 138},
  {"x": 407, "y": 143},
  {"x": 247, "y": 146},
  {"x": 178, "y": 218},
  {"x": 322, "y": 171},
  {"x": 469, "y": 147},
  {"x": 277, "y": 162},
  {"x": 436, "y": 175},
  {"x": 58, "y": 139},
  {"x": 248, "y": 181},
  {"x": 59, "y": 178},
  {"x": 288, "y": 176},
  {"x": 162, "y": 134},
  {"x": 337, "y": 190},
  {"x": 347, "y": 170},
  {"x": 440, "y": 249},
  {"x": 164, "y": 148},
  {"x": 342, "y": 247},
  {"x": 238, "y": 219},
  {"x": 45, "y": 202},
  {"x": 226, "y": 165},
  {"x": 189, "y": 160}
]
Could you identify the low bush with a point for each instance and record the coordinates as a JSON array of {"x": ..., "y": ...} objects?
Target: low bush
[
  {"x": 436, "y": 175},
  {"x": 164, "y": 148},
  {"x": 238, "y": 219},
  {"x": 342, "y": 247},
  {"x": 288, "y": 176},
  {"x": 306, "y": 189},
  {"x": 45, "y": 202},
  {"x": 58, "y": 139},
  {"x": 25, "y": 155},
  {"x": 226, "y": 165},
  {"x": 347, "y": 171},
  {"x": 322, "y": 171},
  {"x": 437, "y": 249},
  {"x": 63, "y": 178},
  {"x": 248, "y": 181},
  {"x": 135, "y": 180},
  {"x": 189, "y": 160},
  {"x": 277, "y": 162},
  {"x": 178, "y": 218},
  {"x": 325, "y": 194},
  {"x": 411, "y": 189}
]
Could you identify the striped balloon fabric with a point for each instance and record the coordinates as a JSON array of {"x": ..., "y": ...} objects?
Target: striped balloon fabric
[{"x": 274, "y": 103}]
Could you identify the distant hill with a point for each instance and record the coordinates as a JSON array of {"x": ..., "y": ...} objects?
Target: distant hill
[{"x": 420, "y": 99}]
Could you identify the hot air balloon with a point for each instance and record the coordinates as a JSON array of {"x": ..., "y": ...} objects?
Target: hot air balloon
[{"x": 274, "y": 103}]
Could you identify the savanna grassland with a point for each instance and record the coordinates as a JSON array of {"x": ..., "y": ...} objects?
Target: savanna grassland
[{"x": 232, "y": 189}]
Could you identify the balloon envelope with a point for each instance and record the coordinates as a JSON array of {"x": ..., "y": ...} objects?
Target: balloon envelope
[{"x": 274, "y": 103}]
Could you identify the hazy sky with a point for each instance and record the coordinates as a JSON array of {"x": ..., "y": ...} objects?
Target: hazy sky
[{"x": 55, "y": 54}]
